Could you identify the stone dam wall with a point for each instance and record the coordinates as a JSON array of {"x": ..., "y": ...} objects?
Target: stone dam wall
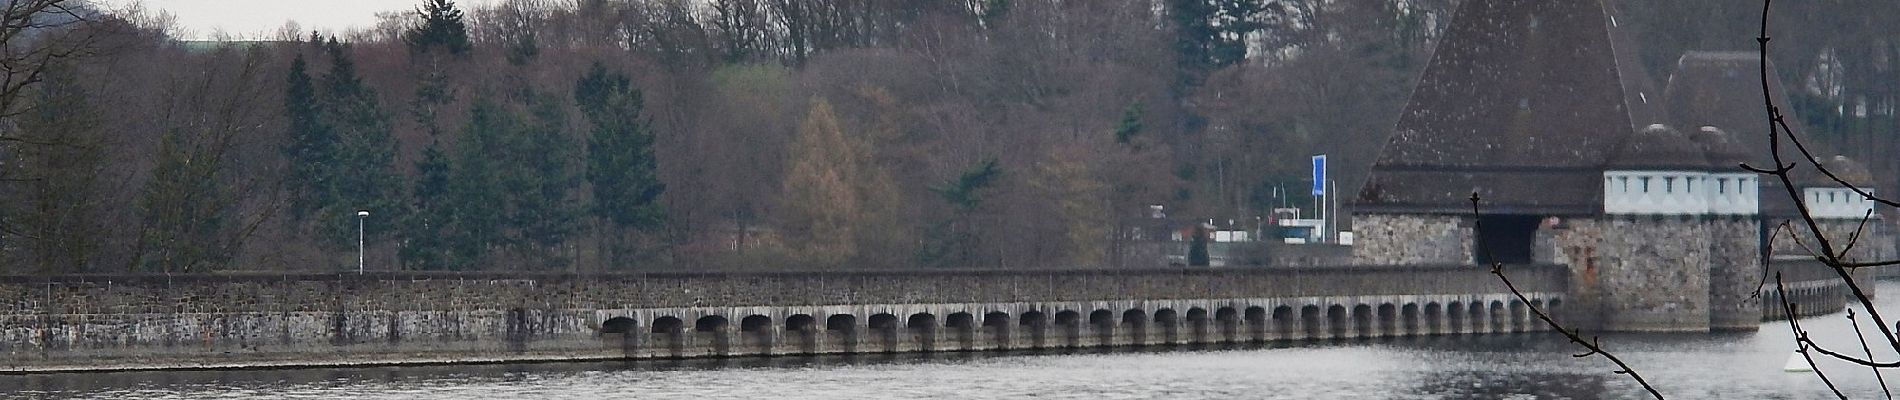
[
  {"x": 98, "y": 322},
  {"x": 1810, "y": 286},
  {"x": 1645, "y": 273}
]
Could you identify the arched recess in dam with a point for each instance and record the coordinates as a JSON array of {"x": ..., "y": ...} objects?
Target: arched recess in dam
[{"x": 1008, "y": 326}]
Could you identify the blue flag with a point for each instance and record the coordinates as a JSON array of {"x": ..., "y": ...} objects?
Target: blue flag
[{"x": 1319, "y": 175}]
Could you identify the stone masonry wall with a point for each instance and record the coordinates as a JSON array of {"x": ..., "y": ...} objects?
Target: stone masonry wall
[
  {"x": 1575, "y": 243},
  {"x": 1405, "y": 239},
  {"x": 1793, "y": 237},
  {"x": 1647, "y": 273},
  {"x": 192, "y": 321},
  {"x": 1734, "y": 273},
  {"x": 1654, "y": 274},
  {"x": 158, "y": 294}
]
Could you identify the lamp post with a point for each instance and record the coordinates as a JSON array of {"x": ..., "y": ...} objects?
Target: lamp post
[{"x": 360, "y": 216}]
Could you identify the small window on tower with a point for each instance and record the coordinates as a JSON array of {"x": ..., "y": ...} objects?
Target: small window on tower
[
  {"x": 1721, "y": 185},
  {"x": 1669, "y": 184},
  {"x": 1645, "y": 184}
]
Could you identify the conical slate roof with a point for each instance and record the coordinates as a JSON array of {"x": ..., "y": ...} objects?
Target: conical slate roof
[
  {"x": 1844, "y": 168},
  {"x": 1723, "y": 152},
  {"x": 1659, "y": 147},
  {"x": 1723, "y": 89},
  {"x": 1523, "y": 102}
]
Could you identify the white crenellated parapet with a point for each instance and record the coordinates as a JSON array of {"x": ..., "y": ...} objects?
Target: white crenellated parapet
[
  {"x": 1669, "y": 192},
  {"x": 1736, "y": 193},
  {"x": 1679, "y": 193},
  {"x": 1838, "y": 203}
]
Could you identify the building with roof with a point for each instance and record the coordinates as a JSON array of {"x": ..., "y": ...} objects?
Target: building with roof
[{"x": 1541, "y": 110}]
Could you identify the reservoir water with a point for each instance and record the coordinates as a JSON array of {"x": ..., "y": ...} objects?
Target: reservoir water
[{"x": 1521, "y": 366}]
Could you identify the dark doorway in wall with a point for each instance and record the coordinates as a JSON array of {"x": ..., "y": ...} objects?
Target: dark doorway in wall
[{"x": 1506, "y": 238}]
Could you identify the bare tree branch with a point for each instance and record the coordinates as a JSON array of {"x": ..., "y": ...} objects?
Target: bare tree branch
[
  {"x": 1803, "y": 345},
  {"x": 1835, "y": 260},
  {"x": 1870, "y": 353},
  {"x": 1778, "y": 130},
  {"x": 1593, "y": 345},
  {"x": 1854, "y": 238}
]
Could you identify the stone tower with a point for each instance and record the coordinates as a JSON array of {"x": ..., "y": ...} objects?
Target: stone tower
[
  {"x": 1653, "y": 245},
  {"x": 1721, "y": 93},
  {"x": 1541, "y": 109},
  {"x": 1734, "y": 224},
  {"x": 1838, "y": 210}
]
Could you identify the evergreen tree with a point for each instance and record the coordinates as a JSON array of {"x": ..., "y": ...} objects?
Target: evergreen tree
[
  {"x": 358, "y": 173},
  {"x": 441, "y": 27},
  {"x": 621, "y": 167},
  {"x": 478, "y": 210},
  {"x": 965, "y": 193},
  {"x": 432, "y": 92},
  {"x": 1194, "y": 33},
  {"x": 949, "y": 241},
  {"x": 1130, "y": 124},
  {"x": 186, "y": 209},
  {"x": 311, "y": 143},
  {"x": 430, "y": 215},
  {"x": 431, "y": 229},
  {"x": 1210, "y": 34},
  {"x": 341, "y": 151},
  {"x": 543, "y": 183},
  {"x": 510, "y": 185},
  {"x": 1197, "y": 248}
]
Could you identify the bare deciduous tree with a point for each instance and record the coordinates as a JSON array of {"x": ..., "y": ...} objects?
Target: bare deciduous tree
[{"x": 34, "y": 36}]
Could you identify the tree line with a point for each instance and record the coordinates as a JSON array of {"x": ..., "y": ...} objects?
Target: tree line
[{"x": 595, "y": 135}]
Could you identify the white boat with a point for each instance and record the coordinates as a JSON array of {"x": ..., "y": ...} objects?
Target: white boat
[{"x": 1797, "y": 363}]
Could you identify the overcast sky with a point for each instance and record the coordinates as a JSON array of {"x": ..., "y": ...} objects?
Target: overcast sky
[{"x": 262, "y": 18}]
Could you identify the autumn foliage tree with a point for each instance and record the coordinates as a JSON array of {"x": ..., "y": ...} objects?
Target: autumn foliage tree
[{"x": 825, "y": 189}]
